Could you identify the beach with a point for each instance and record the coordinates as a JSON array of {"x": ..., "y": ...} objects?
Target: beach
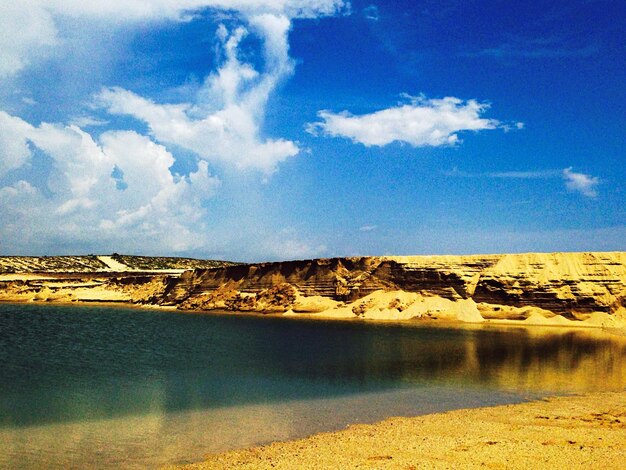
[
  {"x": 312, "y": 234},
  {"x": 584, "y": 431},
  {"x": 324, "y": 346}
]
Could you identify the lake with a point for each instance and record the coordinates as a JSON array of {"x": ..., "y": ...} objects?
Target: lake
[{"x": 136, "y": 388}]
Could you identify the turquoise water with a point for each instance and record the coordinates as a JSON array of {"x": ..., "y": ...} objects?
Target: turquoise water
[{"x": 141, "y": 388}]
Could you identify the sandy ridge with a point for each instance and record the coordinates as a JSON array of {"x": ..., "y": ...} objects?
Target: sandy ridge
[
  {"x": 559, "y": 289},
  {"x": 113, "y": 265}
]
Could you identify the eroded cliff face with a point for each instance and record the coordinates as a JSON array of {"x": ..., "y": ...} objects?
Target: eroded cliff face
[
  {"x": 133, "y": 288},
  {"x": 544, "y": 288},
  {"x": 574, "y": 286},
  {"x": 92, "y": 278}
]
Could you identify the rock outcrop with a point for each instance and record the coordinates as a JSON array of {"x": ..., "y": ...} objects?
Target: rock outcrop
[
  {"x": 537, "y": 288},
  {"x": 91, "y": 278},
  {"x": 136, "y": 288},
  {"x": 570, "y": 286}
]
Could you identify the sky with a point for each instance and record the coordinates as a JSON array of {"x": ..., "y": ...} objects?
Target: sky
[{"x": 256, "y": 130}]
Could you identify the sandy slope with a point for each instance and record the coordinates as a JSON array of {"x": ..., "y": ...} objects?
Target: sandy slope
[
  {"x": 400, "y": 305},
  {"x": 113, "y": 265},
  {"x": 84, "y": 287},
  {"x": 579, "y": 432}
]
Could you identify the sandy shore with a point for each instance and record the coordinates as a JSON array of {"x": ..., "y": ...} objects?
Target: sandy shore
[{"x": 586, "y": 431}]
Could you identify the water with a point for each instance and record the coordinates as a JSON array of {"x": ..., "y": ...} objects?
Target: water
[{"x": 137, "y": 388}]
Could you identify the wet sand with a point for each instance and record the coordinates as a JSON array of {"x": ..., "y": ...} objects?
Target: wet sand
[{"x": 587, "y": 431}]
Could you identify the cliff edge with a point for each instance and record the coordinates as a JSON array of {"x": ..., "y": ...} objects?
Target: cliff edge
[
  {"x": 92, "y": 278},
  {"x": 537, "y": 288},
  {"x": 534, "y": 288}
]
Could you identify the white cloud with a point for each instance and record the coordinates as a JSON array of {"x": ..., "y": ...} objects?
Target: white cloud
[
  {"x": 118, "y": 189},
  {"x": 79, "y": 164},
  {"x": 577, "y": 182},
  {"x": 368, "y": 228},
  {"x": 537, "y": 48},
  {"x": 521, "y": 175},
  {"x": 87, "y": 121},
  {"x": 224, "y": 124},
  {"x": 296, "y": 249},
  {"x": 29, "y": 28},
  {"x": 580, "y": 182},
  {"x": 155, "y": 9},
  {"x": 156, "y": 210},
  {"x": 371, "y": 13},
  {"x": 14, "y": 150},
  {"x": 28, "y": 31},
  {"x": 421, "y": 122},
  {"x": 525, "y": 175},
  {"x": 287, "y": 244}
]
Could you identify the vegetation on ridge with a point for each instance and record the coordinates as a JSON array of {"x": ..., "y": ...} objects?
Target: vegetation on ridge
[
  {"x": 93, "y": 263},
  {"x": 168, "y": 262}
]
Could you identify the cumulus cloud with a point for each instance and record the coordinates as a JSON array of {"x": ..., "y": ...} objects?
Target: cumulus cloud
[
  {"x": 14, "y": 149},
  {"x": 116, "y": 188},
  {"x": 30, "y": 30},
  {"x": 421, "y": 122},
  {"x": 580, "y": 182},
  {"x": 27, "y": 32},
  {"x": 87, "y": 205},
  {"x": 224, "y": 124},
  {"x": 150, "y": 9}
]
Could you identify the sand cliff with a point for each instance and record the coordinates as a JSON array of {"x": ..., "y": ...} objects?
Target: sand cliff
[
  {"x": 534, "y": 288},
  {"x": 92, "y": 278},
  {"x": 544, "y": 288}
]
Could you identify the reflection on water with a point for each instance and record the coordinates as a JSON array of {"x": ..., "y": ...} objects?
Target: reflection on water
[
  {"x": 162, "y": 438},
  {"x": 148, "y": 387}
]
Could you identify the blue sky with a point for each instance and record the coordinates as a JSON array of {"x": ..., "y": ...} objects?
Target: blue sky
[{"x": 277, "y": 129}]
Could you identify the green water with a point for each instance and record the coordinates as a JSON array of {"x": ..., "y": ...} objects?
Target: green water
[{"x": 134, "y": 388}]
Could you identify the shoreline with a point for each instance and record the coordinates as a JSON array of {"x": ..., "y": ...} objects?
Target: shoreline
[
  {"x": 320, "y": 316},
  {"x": 570, "y": 290},
  {"x": 565, "y": 431},
  {"x": 431, "y": 439},
  {"x": 92, "y": 303}
]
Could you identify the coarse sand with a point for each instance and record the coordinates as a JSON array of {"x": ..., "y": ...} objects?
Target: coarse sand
[{"x": 567, "y": 432}]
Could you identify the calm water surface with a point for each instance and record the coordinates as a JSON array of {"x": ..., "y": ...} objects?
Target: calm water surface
[{"x": 136, "y": 388}]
